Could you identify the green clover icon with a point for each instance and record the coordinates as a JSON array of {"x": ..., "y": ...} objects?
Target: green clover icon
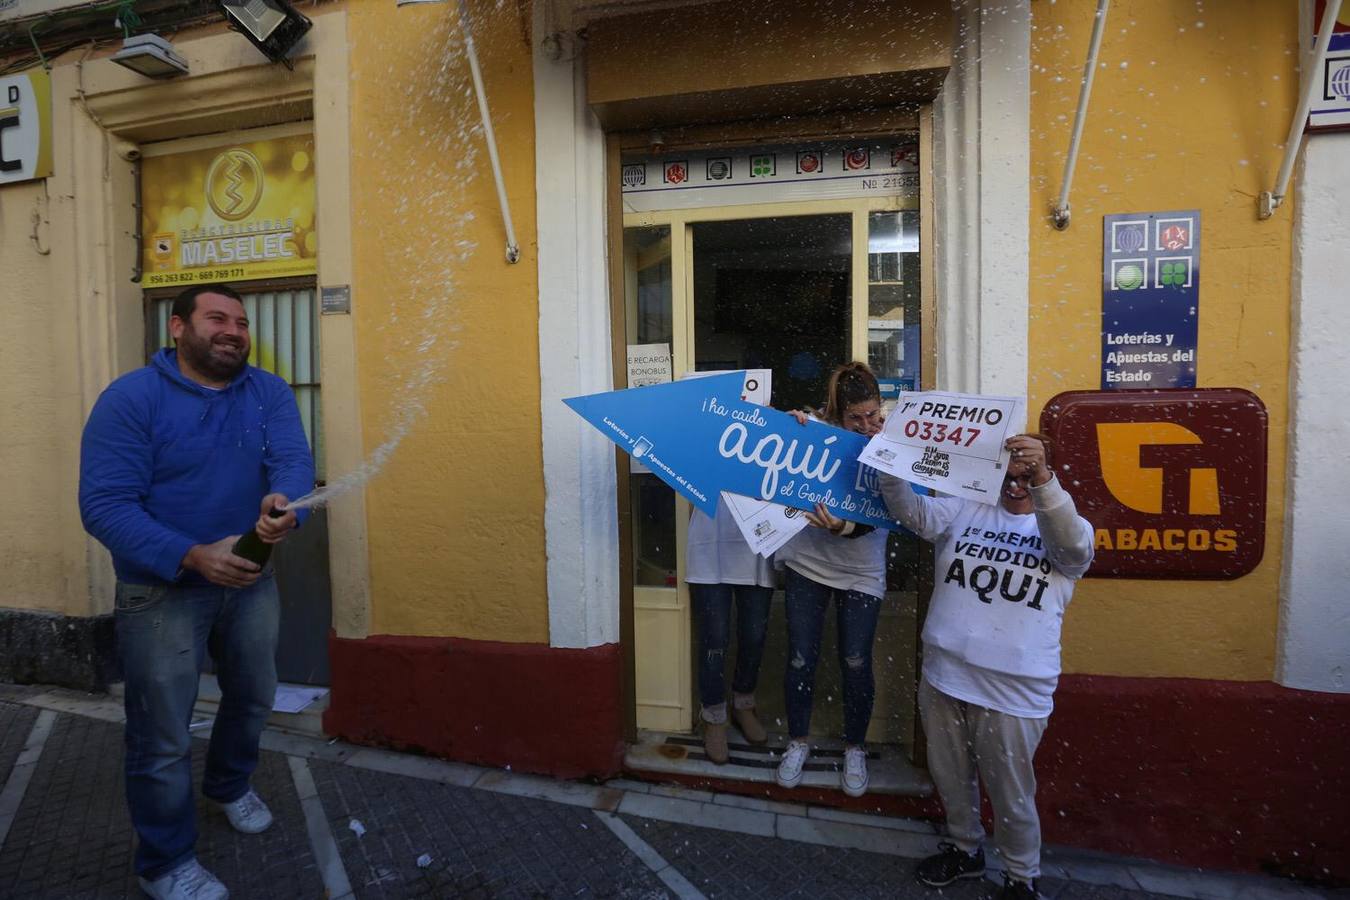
[{"x": 1173, "y": 274}]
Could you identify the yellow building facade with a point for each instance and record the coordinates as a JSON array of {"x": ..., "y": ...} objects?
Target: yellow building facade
[{"x": 500, "y": 587}]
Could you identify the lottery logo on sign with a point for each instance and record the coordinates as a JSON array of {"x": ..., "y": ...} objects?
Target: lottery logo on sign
[
  {"x": 1129, "y": 236},
  {"x": 1174, "y": 238},
  {"x": 763, "y": 166},
  {"x": 857, "y": 158},
  {"x": 677, "y": 172},
  {"x": 1338, "y": 82},
  {"x": 808, "y": 162},
  {"x": 719, "y": 168},
  {"x": 634, "y": 175},
  {"x": 1174, "y": 234},
  {"x": 1173, "y": 272},
  {"x": 903, "y": 155},
  {"x": 1131, "y": 239},
  {"x": 1127, "y": 274}
]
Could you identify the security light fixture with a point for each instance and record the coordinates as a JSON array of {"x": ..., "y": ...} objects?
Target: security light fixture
[
  {"x": 150, "y": 55},
  {"x": 274, "y": 26}
]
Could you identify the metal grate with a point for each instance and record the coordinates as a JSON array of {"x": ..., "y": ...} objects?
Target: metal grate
[{"x": 284, "y": 326}]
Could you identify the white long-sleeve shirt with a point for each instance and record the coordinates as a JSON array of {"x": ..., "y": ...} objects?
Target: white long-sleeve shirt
[
  {"x": 1002, "y": 583},
  {"x": 718, "y": 554}
]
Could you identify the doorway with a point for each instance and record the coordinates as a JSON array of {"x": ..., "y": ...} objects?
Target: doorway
[{"x": 794, "y": 287}]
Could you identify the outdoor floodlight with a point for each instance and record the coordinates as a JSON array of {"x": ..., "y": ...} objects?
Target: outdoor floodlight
[
  {"x": 274, "y": 26},
  {"x": 150, "y": 55}
]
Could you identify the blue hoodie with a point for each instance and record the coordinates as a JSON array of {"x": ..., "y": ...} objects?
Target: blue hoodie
[{"x": 167, "y": 463}]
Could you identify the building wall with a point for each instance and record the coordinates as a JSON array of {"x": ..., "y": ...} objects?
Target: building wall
[
  {"x": 1189, "y": 110},
  {"x": 447, "y": 347},
  {"x": 41, "y": 544},
  {"x": 1314, "y": 618}
]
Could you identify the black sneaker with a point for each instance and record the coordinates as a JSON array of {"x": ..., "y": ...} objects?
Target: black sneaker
[
  {"x": 1018, "y": 890},
  {"x": 950, "y": 864}
]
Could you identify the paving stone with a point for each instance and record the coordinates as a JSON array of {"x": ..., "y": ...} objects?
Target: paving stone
[
  {"x": 72, "y": 836},
  {"x": 733, "y": 866},
  {"x": 15, "y": 723},
  {"x": 481, "y": 843}
]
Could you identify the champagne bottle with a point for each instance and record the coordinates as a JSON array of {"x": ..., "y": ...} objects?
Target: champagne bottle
[{"x": 253, "y": 548}]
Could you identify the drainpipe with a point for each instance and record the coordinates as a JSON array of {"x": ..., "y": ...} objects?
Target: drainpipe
[
  {"x": 1060, "y": 214},
  {"x": 1269, "y": 201},
  {"x": 512, "y": 246}
]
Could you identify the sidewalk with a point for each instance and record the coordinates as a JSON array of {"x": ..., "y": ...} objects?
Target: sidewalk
[{"x": 357, "y": 822}]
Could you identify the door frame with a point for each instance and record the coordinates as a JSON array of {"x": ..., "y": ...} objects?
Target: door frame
[{"x": 682, "y": 343}]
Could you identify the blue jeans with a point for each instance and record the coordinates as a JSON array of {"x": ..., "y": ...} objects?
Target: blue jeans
[
  {"x": 163, "y": 633},
  {"x": 712, "y": 605},
  {"x": 856, "y": 617}
]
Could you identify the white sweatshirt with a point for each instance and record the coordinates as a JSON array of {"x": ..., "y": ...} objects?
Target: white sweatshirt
[
  {"x": 716, "y": 552},
  {"x": 843, "y": 563},
  {"x": 1002, "y": 583}
]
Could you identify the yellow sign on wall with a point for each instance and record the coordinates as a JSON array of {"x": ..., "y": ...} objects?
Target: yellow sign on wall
[
  {"x": 25, "y": 126},
  {"x": 232, "y": 213}
]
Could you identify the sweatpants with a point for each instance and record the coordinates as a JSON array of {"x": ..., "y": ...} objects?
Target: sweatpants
[{"x": 966, "y": 741}]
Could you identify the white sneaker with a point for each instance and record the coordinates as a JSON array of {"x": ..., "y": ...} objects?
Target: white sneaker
[
  {"x": 249, "y": 814},
  {"x": 187, "y": 882},
  {"x": 789, "y": 773},
  {"x": 854, "y": 780}
]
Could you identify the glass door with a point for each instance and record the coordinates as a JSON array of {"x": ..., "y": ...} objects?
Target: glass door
[{"x": 795, "y": 288}]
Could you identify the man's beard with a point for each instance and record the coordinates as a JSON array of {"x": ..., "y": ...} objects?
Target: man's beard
[{"x": 214, "y": 361}]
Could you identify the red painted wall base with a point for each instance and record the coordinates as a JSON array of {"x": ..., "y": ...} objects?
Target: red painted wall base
[
  {"x": 1235, "y": 775},
  {"x": 528, "y": 706}
]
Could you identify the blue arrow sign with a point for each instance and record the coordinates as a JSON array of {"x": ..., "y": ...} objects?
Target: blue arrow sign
[{"x": 701, "y": 438}]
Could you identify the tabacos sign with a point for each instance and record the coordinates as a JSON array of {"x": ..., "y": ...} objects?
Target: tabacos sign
[
  {"x": 1173, "y": 481},
  {"x": 25, "y": 126}
]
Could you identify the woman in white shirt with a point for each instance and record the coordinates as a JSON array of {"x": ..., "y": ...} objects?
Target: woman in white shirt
[
  {"x": 721, "y": 569},
  {"x": 1003, "y": 577},
  {"x": 846, "y": 562}
]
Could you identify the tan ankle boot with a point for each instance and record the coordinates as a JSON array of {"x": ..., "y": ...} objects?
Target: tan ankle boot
[
  {"x": 715, "y": 742},
  {"x": 748, "y": 723}
]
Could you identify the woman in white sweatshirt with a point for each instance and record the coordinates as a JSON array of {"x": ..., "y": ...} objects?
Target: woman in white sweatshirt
[
  {"x": 1003, "y": 576},
  {"x": 845, "y": 561},
  {"x": 720, "y": 569}
]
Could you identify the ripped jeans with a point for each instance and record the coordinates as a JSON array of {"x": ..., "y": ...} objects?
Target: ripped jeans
[
  {"x": 712, "y": 607},
  {"x": 856, "y": 621}
]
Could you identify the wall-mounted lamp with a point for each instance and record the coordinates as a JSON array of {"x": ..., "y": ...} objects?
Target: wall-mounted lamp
[
  {"x": 273, "y": 26},
  {"x": 150, "y": 55}
]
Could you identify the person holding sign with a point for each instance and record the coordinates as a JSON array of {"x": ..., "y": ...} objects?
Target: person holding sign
[
  {"x": 845, "y": 561},
  {"x": 1004, "y": 575},
  {"x": 720, "y": 567}
]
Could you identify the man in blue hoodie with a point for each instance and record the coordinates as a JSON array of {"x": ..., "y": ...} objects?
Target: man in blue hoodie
[{"x": 178, "y": 459}]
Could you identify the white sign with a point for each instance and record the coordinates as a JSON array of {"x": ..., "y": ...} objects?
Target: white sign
[
  {"x": 1330, "y": 106},
  {"x": 648, "y": 364},
  {"x": 771, "y": 174},
  {"x": 765, "y": 526},
  {"x": 950, "y": 442},
  {"x": 758, "y": 383},
  {"x": 25, "y": 126}
]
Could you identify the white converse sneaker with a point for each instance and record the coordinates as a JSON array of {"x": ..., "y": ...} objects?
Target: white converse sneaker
[
  {"x": 789, "y": 773},
  {"x": 187, "y": 882},
  {"x": 854, "y": 780},
  {"x": 249, "y": 814}
]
